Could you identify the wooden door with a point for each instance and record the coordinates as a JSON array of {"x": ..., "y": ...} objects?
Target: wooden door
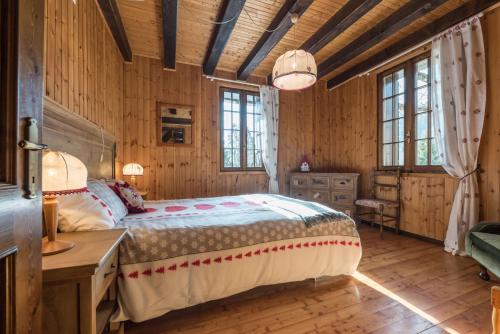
[{"x": 21, "y": 89}]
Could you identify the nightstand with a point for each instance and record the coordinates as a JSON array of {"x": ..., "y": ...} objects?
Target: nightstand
[{"x": 79, "y": 286}]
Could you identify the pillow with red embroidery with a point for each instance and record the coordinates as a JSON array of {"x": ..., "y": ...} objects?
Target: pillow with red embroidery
[
  {"x": 101, "y": 189},
  {"x": 83, "y": 211},
  {"x": 130, "y": 197}
]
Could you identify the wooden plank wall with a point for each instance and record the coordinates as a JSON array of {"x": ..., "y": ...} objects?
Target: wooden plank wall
[
  {"x": 426, "y": 198},
  {"x": 177, "y": 172},
  {"x": 337, "y": 130},
  {"x": 83, "y": 66},
  {"x": 489, "y": 156}
]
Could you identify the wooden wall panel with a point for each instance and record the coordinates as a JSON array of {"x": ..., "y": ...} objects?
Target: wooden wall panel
[
  {"x": 83, "y": 65},
  {"x": 426, "y": 198},
  {"x": 178, "y": 172},
  {"x": 489, "y": 156}
]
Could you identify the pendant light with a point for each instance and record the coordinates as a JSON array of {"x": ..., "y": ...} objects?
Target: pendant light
[{"x": 295, "y": 69}]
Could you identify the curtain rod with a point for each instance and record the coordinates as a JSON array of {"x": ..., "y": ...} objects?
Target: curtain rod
[
  {"x": 413, "y": 48},
  {"x": 212, "y": 78}
]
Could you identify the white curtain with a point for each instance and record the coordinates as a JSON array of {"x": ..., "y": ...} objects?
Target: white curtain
[
  {"x": 269, "y": 100},
  {"x": 459, "y": 98}
]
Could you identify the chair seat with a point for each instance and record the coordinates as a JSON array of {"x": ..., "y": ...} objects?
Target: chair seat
[{"x": 376, "y": 203}]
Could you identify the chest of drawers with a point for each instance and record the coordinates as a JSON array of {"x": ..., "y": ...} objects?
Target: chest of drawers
[{"x": 336, "y": 190}]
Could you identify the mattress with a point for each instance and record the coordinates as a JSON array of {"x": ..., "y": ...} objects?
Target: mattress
[{"x": 185, "y": 252}]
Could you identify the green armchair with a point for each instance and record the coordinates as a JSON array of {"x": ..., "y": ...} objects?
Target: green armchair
[{"x": 483, "y": 245}]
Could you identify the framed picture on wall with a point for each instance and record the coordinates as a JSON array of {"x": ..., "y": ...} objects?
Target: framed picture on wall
[{"x": 175, "y": 124}]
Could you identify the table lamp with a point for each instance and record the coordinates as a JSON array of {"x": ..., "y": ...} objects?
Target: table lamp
[
  {"x": 133, "y": 169},
  {"x": 61, "y": 174}
]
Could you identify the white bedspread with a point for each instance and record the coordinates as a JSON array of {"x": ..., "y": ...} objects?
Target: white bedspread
[{"x": 185, "y": 252}]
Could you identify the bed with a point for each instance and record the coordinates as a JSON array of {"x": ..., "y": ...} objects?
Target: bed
[{"x": 186, "y": 252}]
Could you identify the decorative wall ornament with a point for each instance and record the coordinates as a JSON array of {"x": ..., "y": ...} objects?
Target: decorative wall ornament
[{"x": 175, "y": 124}]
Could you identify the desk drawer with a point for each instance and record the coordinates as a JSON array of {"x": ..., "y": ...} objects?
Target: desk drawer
[
  {"x": 342, "y": 183},
  {"x": 320, "y": 196},
  {"x": 105, "y": 275},
  {"x": 342, "y": 198},
  {"x": 300, "y": 194},
  {"x": 320, "y": 182},
  {"x": 299, "y": 181}
]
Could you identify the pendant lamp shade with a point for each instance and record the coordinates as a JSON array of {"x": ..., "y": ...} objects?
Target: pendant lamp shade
[
  {"x": 295, "y": 70},
  {"x": 62, "y": 173}
]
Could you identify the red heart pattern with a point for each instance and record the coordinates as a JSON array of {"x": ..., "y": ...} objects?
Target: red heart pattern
[{"x": 175, "y": 208}]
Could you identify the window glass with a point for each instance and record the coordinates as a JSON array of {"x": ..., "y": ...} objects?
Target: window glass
[
  {"x": 241, "y": 130},
  {"x": 393, "y": 110},
  {"x": 407, "y": 126}
]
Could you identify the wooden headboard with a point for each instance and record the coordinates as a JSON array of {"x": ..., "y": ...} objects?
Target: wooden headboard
[{"x": 68, "y": 132}]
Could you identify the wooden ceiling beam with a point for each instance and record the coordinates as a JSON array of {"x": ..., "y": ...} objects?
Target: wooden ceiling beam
[
  {"x": 230, "y": 11},
  {"x": 452, "y": 18},
  {"x": 405, "y": 15},
  {"x": 280, "y": 25},
  {"x": 169, "y": 27},
  {"x": 111, "y": 14},
  {"x": 346, "y": 16}
]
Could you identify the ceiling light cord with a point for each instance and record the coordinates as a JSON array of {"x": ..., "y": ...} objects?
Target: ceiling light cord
[
  {"x": 294, "y": 20},
  {"x": 266, "y": 30}
]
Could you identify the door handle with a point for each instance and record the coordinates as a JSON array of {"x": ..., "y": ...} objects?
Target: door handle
[
  {"x": 27, "y": 145},
  {"x": 32, "y": 147}
]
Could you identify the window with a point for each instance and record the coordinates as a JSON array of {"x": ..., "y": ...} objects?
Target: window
[
  {"x": 241, "y": 130},
  {"x": 406, "y": 136}
]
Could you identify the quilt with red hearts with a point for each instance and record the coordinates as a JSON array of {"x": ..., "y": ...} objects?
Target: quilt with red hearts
[{"x": 186, "y": 252}]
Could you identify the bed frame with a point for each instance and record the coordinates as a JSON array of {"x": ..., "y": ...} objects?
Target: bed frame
[{"x": 68, "y": 132}]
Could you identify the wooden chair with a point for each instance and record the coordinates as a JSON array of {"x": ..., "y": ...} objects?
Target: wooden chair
[
  {"x": 495, "y": 302},
  {"x": 378, "y": 205}
]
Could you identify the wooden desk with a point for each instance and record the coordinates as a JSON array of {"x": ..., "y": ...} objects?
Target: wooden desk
[{"x": 79, "y": 286}]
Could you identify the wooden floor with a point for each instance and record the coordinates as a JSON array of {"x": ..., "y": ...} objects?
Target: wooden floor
[{"x": 404, "y": 285}]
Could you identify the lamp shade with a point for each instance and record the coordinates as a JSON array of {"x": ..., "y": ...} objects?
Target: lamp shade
[
  {"x": 62, "y": 173},
  {"x": 295, "y": 70},
  {"x": 133, "y": 169}
]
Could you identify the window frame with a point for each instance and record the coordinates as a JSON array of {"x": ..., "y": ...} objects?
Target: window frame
[
  {"x": 243, "y": 130},
  {"x": 409, "y": 141}
]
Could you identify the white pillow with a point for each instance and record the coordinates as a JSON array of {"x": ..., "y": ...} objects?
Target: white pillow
[
  {"x": 104, "y": 192},
  {"x": 84, "y": 211}
]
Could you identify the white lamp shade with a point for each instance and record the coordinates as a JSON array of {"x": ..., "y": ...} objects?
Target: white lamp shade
[
  {"x": 62, "y": 173},
  {"x": 133, "y": 169},
  {"x": 295, "y": 70}
]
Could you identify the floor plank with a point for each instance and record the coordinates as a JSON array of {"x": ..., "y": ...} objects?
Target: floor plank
[{"x": 403, "y": 285}]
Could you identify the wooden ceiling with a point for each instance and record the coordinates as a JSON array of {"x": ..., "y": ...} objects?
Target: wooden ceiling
[{"x": 143, "y": 26}]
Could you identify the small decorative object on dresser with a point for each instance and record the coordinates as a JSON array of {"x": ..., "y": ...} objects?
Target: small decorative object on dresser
[
  {"x": 305, "y": 167},
  {"x": 79, "y": 286},
  {"x": 336, "y": 190}
]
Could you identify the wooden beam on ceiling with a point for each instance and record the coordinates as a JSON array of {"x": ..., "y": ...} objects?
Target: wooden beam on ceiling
[
  {"x": 280, "y": 25},
  {"x": 452, "y": 18},
  {"x": 111, "y": 14},
  {"x": 169, "y": 26},
  {"x": 346, "y": 16},
  {"x": 230, "y": 11},
  {"x": 405, "y": 15}
]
